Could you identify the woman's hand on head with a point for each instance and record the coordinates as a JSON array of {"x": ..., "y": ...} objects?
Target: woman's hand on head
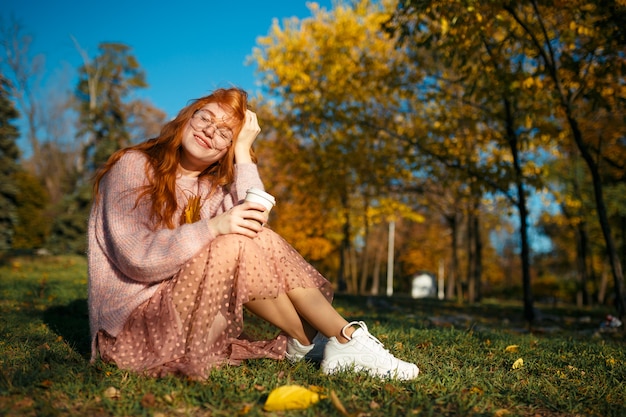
[
  {"x": 245, "y": 219},
  {"x": 247, "y": 136}
]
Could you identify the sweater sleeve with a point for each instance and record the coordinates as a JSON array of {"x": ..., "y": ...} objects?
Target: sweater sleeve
[
  {"x": 246, "y": 176},
  {"x": 126, "y": 234}
]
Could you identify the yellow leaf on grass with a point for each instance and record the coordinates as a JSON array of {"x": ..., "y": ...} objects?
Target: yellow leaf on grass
[
  {"x": 518, "y": 364},
  {"x": 337, "y": 403},
  {"x": 511, "y": 348},
  {"x": 291, "y": 397},
  {"x": 112, "y": 393}
]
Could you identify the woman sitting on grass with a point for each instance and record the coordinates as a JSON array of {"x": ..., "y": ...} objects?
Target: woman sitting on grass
[{"x": 175, "y": 254}]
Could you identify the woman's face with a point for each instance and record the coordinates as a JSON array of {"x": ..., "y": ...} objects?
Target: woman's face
[{"x": 206, "y": 139}]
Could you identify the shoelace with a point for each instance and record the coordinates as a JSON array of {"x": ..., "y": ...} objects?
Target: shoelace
[{"x": 379, "y": 345}]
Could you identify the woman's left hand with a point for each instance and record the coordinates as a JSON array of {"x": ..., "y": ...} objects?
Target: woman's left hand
[{"x": 248, "y": 134}]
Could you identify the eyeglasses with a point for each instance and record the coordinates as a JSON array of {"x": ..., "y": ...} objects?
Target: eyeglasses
[{"x": 222, "y": 136}]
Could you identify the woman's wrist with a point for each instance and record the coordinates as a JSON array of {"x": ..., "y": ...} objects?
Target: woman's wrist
[{"x": 242, "y": 155}]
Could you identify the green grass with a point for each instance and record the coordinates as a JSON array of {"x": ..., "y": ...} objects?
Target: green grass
[{"x": 466, "y": 370}]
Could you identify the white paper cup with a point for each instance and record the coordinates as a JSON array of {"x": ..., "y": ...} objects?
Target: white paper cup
[{"x": 259, "y": 196}]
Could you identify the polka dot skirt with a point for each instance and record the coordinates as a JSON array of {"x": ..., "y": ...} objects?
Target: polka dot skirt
[{"x": 195, "y": 321}]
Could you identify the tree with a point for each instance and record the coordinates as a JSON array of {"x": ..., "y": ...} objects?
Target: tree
[
  {"x": 104, "y": 84},
  {"x": 106, "y": 119},
  {"x": 33, "y": 225},
  {"x": 50, "y": 154},
  {"x": 9, "y": 155},
  {"x": 581, "y": 50},
  {"x": 334, "y": 75},
  {"x": 24, "y": 73},
  {"x": 541, "y": 61}
]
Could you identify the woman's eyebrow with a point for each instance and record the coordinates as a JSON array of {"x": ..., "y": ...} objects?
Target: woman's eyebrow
[{"x": 224, "y": 118}]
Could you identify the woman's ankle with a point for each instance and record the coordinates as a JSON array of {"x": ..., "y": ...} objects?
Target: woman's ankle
[{"x": 345, "y": 335}]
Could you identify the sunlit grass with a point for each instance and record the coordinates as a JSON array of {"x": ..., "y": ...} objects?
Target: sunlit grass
[{"x": 465, "y": 354}]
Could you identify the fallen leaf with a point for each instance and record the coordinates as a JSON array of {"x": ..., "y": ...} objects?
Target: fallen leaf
[
  {"x": 337, "y": 403},
  {"x": 511, "y": 348},
  {"x": 148, "y": 400},
  {"x": 291, "y": 397},
  {"x": 46, "y": 383},
  {"x": 518, "y": 364},
  {"x": 112, "y": 393},
  {"x": 245, "y": 410},
  {"x": 476, "y": 390}
]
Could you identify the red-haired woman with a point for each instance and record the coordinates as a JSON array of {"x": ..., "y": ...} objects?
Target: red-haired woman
[{"x": 176, "y": 254}]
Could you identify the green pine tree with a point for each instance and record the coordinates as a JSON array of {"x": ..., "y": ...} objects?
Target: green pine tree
[
  {"x": 9, "y": 155},
  {"x": 105, "y": 86}
]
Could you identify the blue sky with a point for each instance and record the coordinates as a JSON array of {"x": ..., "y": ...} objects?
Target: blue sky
[{"x": 186, "y": 48}]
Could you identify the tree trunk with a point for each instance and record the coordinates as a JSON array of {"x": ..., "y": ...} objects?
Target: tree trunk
[
  {"x": 582, "y": 255},
  {"x": 376, "y": 272},
  {"x": 604, "y": 280},
  {"x": 471, "y": 255},
  {"x": 478, "y": 268},
  {"x": 611, "y": 249},
  {"x": 354, "y": 271},
  {"x": 529, "y": 313},
  {"x": 454, "y": 262},
  {"x": 344, "y": 251},
  {"x": 364, "y": 267},
  {"x": 513, "y": 141}
]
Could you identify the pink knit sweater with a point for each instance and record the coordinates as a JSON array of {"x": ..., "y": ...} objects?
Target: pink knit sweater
[{"x": 127, "y": 259}]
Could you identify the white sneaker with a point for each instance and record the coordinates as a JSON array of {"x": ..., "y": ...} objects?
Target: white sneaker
[
  {"x": 364, "y": 352},
  {"x": 296, "y": 351}
]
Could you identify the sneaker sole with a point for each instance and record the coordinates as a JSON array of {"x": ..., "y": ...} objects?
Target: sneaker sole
[{"x": 334, "y": 367}]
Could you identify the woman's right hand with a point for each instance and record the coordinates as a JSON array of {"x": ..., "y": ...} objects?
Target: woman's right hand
[
  {"x": 249, "y": 132},
  {"x": 245, "y": 219}
]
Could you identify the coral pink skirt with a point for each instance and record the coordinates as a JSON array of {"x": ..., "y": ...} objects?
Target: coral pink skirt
[{"x": 195, "y": 320}]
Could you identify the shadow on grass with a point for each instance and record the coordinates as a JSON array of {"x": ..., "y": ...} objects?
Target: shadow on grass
[{"x": 71, "y": 322}]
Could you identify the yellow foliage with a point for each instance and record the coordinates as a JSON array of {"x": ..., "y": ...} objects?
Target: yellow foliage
[
  {"x": 444, "y": 26},
  {"x": 291, "y": 397}
]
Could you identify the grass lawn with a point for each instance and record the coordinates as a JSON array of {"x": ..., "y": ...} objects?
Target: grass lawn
[{"x": 465, "y": 354}]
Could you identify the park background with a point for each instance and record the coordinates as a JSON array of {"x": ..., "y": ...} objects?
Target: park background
[
  {"x": 479, "y": 142},
  {"x": 486, "y": 140}
]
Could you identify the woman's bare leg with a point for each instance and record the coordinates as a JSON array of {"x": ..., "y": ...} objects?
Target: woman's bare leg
[
  {"x": 301, "y": 313},
  {"x": 281, "y": 312},
  {"x": 311, "y": 304}
]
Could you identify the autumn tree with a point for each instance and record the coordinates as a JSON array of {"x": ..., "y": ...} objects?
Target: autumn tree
[
  {"x": 501, "y": 44},
  {"x": 329, "y": 79},
  {"x": 9, "y": 155},
  {"x": 579, "y": 46}
]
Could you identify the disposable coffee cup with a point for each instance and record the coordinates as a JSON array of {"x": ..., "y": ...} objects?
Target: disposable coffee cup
[{"x": 259, "y": 196}]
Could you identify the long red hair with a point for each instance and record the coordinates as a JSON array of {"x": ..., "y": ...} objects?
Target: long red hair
[{"x": 164, "y": 153}]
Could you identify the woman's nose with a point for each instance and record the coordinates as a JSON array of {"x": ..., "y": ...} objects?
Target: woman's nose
[{"x": 209, "y": 128}]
